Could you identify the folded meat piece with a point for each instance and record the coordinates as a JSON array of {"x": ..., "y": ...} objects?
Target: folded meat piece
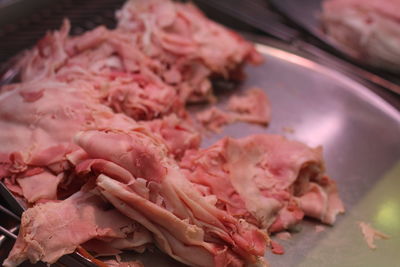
[
  {"x": 368, "y": 29},
  {"x": 40, "y": 186},
  {"x": 265, "y": 179},
  {"x": 138, "y": 178},
  {"x": 189, "y": 46},
  {"x": 51, "y": 230}
]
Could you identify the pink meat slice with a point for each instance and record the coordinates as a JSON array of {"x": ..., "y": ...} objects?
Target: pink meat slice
[
  {"x": 51, "y": 230},
  {"x": 252, "y": 107},
  {"x": 40, "y": 186},
  {"x": 265, "y": 179},
  {"x": 147, "y": 186}
]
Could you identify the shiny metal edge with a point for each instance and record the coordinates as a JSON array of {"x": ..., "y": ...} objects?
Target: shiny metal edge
[{"x": 352, "y": 85}]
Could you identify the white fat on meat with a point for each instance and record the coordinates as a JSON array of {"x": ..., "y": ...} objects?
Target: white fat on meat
[
  {"x": 265, "y": 179},
  {"x": 51, "y": 230}
]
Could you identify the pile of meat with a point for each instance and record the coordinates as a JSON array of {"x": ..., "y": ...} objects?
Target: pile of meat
[{"x": 97, "y": 141}]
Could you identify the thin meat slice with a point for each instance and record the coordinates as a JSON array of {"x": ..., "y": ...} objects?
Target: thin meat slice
[
  {"x": 51, "y": 230},
  {"x": 252, "y": 107},
  {"x": 166, "y": 203},
  {"x": 40, "y": 186},
  {"x": 266, "y": 180}
]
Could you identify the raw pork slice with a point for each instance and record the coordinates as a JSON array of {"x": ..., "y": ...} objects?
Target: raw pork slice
[
  {"x": 51, "y": 230},
  {"x": 368, "y": 29},
  {"x": 189, "y": 46},
  {"x": 265, "y": 179},
  {"x": 139, "y": 179}
]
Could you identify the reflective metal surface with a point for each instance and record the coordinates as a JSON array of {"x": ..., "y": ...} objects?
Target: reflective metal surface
[{"x": 360, "y": 134}]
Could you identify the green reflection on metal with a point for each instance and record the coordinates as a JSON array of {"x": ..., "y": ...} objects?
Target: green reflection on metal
[
  {"x": 344, "y": 245},
  {"x": 388, "y": 215}
]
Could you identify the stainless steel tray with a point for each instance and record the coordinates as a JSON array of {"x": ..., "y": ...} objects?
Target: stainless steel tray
[{"x": 360, "y": 134}]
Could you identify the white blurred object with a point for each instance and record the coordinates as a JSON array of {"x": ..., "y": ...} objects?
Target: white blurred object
[{"x": 368, "y": 29}]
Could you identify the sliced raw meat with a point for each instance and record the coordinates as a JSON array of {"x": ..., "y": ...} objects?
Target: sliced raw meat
[
  {"x": 252, "y": 107},
  {"x": 51, "y": 230}
]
